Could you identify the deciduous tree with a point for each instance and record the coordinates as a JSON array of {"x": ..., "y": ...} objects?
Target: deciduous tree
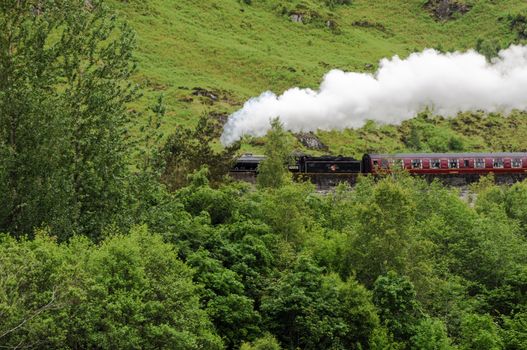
[
  {"x": 64, "y": 69},
  {"x": 272, "y": 171}
]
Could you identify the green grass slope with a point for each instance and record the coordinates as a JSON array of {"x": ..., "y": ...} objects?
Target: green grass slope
[{"x": 235, "y": 50}]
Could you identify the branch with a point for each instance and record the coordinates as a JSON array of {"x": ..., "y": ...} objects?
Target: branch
[{"x": 35, "y": 314}]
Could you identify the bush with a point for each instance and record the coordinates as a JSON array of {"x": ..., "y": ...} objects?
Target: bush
[{"x": 130, "y": 292}]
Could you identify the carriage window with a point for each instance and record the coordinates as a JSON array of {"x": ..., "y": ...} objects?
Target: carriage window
[
  {"x": 384, "y": 163},
  {"x": 417, "y": 164},
  {"x": 480, "y": 163},
  {"x": 435, "y": 164},
  {"x": 376, "y": 163},
  {"x": 516, "y": 163},
  {"x": 397, "y": 163},
  {"x": 498, "y": 163},
  {"x": 453, "y": 164},
  {"x": 466, "y": 163}
]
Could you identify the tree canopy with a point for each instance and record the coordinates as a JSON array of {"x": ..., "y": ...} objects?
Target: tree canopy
[{"x": 64, "y": 81}]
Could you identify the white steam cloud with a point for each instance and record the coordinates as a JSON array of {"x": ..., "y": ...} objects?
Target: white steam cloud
[{"x": 445, "y": 83}]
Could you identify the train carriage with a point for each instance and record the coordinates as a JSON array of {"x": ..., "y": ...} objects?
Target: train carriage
[
  {"x": 247, "y": 163},
  {"x": 447, "y": 163}
]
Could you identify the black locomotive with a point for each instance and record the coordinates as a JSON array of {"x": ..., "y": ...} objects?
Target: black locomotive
[{"x": 304, "y": 164}]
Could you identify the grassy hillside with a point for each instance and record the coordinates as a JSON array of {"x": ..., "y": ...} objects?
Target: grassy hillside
[{"x": 234, "y": 50}]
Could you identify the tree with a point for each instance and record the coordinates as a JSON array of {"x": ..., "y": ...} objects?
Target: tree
[
  {"x": 516, "y": 203},
  {"x": 385, "y": 215},
  {"x": 430, "y": 334},
  {"x": 292, "y": 304},
  {"x": 64, "y": 70},
  {"x": 187, "y": 150},
  {"x": 223, "y": 297},
  {"x": 141, "y": 296},
  {"x": 479, "y": 332},
  {"x": 394, "y": 296},
  {"x": 358, "y": 313},
  {"x": 515, "y": 331},
  {"x": 35, "y": 290},
  {"x": 272, "y": 171},
  {"x": 129, "y": 292},
  {"x": 306, "y": 309},
  {"x": 414, "y": 140},
  {"x": 488, "y": 48},
  {"x": 267, "y": 342},
  {"x": 198, "y": 197}
]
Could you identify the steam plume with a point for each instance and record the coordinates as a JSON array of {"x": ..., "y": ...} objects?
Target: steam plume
[{"x": 446, "y": 83}]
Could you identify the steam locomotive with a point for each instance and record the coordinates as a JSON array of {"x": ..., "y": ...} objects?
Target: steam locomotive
[{"x": 415, "y": 163}]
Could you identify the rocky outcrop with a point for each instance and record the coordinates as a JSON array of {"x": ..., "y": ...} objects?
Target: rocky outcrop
[
  {"x": 364, "y": 23},
  {"x": 297, "y": 17},
  {"x": 208, "y": 96},
  {"x": 220, "y": 117},
  {"x": 197, "y": 91},
  {"x": 444, "y": 10},
  {"x": 309, "y": 140}
]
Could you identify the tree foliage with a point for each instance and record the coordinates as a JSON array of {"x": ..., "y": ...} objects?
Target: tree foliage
[
  {"x": 391, "y": 264},
  {"x": 64, "y": 70},
  {"x": 129, "y": 292},
  {"x": 272, "y": 171},
  {"x": 187, "y": 150},
  {"x": 308, "y": 310}
]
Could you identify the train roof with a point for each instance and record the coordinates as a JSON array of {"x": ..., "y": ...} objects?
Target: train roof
[
  {"x": 329, "y": 158},
  {"x": 250, "y": 158},
  {"x": 451, "y": 155}
]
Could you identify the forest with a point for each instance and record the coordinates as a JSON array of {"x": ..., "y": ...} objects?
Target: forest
[{"x": 112, "y": 240}]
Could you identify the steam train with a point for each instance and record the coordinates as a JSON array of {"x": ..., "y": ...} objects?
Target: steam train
[{"x": 428, "y": 164}]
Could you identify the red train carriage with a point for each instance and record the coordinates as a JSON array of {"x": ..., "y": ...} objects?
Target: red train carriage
[{"x": 447, "y": 163}]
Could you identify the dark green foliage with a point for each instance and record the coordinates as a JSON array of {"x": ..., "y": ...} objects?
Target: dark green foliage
[
  {"x": 480, "y": 332},
  {"x": 64, "y": 69},
  {"x": 129, "y": 292},
  {"x": 148, "y": 288},
  {"x": 262, "y": 265},
  {"x": 413, "y": 141},
  {"x": 333, "y": 3},
  {"x": 518, "y": 24},
  {"x": 451, "y": 261},
  {"x": 267, "y": 342},
  {"x": 308, "y": 310},
  {"x": 430, "y": 334},
  {"x": 283, "y": 209},
  {"x": 399, "y": 311},
  {"x": 383, "y": 218},
  {"x": 514, "y": 332},
  {"x": 232, "y": 263},
  {"x": 515, "y": 201},
  {"x": 187, "y": 150},
  {"x": 488, "y": 48},
  {"x": 198, "y": 197},
  {"x": 231, "y": 311},
  {"x": 422, "y": 134},
  {"x": 358, "y": 314}
]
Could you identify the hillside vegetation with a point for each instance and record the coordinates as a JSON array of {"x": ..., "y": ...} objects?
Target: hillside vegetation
[
  {"x": 211, "y": 56},
  {"x": 101, "y": 250}
]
